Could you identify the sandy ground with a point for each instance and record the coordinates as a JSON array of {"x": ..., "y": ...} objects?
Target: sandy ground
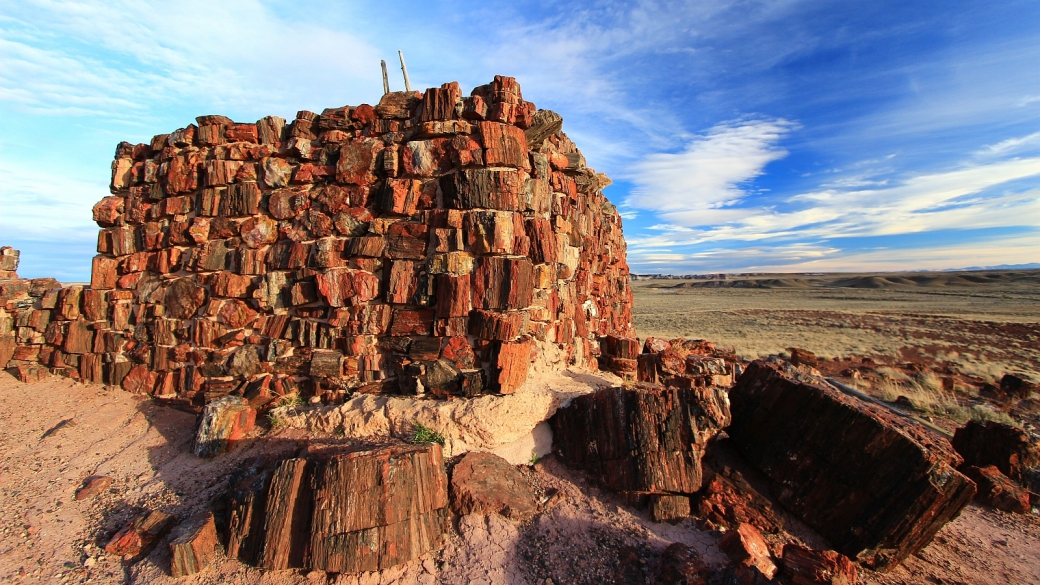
[{"x": 55, "y": 433}]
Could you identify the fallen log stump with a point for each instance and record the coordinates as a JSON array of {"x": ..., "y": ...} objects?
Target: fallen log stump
[
  {"x": 992, "y": 443},
  {"x": 193, "y": 545},
  {"x": 139, "y": 534},
  {"x": 877, "y": 486},
  {"x": 645, "y": 439},
  {"x": 339, "y": 509}
]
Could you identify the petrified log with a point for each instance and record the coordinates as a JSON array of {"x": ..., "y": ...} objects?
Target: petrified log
[
  {"x": 139, "y": 534},
  {"x": 804, "y": 566},
  {"x": 877, "y": 486},
  {"x": 728, "y": 503},
  {"x": 642, "y": 439},
  {"x": 338, "y": 509},
  {"x": 668, "y": 507},
  {"x": 193, "y": 545},
  {"x": 224, "y": 421}
]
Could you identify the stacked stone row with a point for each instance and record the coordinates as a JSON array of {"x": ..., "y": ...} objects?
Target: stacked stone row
[
  {"x": 432, "y": 243},
  {"x": 676, "y": 363}
]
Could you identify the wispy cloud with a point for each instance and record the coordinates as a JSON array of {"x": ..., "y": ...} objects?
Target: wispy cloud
[
  {"x": 701, "y": 184},
  {"x": 974, "y": 195},
  {"x": 119, "y": 59}
]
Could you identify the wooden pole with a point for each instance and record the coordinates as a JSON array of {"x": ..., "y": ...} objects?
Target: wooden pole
[
  {"x": 386, "y": 80},
  {"x": 404, "y": 69}
]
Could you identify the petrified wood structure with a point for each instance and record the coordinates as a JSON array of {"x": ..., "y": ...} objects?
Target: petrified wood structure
[
  {"x": 431, "y": 243},
  {"x": 341, "y": 511},
  {"x": 877, "y": 486},
  {"x": 647, "y": 439}
]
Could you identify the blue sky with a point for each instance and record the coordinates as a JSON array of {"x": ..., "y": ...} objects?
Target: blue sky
[{"x": 741, "y": 136}]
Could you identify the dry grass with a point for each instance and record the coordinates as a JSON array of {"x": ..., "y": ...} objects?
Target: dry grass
[
  {"x": 926, "y": 393},
  {"x": 985, "y": 330}
]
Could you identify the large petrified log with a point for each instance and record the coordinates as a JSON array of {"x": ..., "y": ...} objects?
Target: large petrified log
[
  {"x": 877, "y": 486},
  {"x": 340, "y": 510},
  {"x": 644, "y": 439}
]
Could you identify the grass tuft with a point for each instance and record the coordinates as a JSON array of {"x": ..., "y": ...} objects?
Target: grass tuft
[
  {"x": 424, "y": 434},
  {"x": 983, "y": 413},
  {"x": 926, "y": 394}
]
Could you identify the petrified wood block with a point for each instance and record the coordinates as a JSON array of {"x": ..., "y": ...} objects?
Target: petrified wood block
[
  {"x": 224, "y": 421},
  {"x": 139, "y": 534},
  {"x": 877, "y": 486},
  {"x": 643, "y": 439},
  {"x": 193, "y": 545},
  {"x": 342, "y": 510}
]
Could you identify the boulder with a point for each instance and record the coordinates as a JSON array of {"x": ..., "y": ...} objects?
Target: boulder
[
  {"x": 876, "y": 485},
  {"x": 483, "y": 483}
]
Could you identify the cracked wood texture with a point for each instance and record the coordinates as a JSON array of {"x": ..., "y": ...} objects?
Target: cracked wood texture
[
  {"x": 341, "y": 510},
  {"x": 876, "y": 485},
  {"x": 647, "y": 439}
]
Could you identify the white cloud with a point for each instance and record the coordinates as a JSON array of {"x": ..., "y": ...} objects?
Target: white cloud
[
  {"x": 976, "y": 195},
  {"x": 701, "y": 184},
  {"x": 120, "y": 59},
  {"x": 1011, "y": 145},
  {"x": 807, "y": 257}
]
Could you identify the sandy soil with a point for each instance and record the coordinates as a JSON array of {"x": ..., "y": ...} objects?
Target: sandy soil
[{"x": 55, "y": 433}]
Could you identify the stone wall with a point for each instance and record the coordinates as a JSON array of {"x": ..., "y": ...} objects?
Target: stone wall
[{"x": 433, "y": 243}]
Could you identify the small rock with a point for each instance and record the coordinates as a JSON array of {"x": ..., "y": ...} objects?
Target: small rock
[
  {"x": 224, "y": 421},
  {"x": 746, "y": 546},
  {"x": 997, "y": 490},
  {"x": 805, "y": 566},
  {"x": 93, "y": 486},
  {"x": 630, "y": 567},
  {"x": 682, "y": 565},
  {"x": 193, "y": 545}
]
